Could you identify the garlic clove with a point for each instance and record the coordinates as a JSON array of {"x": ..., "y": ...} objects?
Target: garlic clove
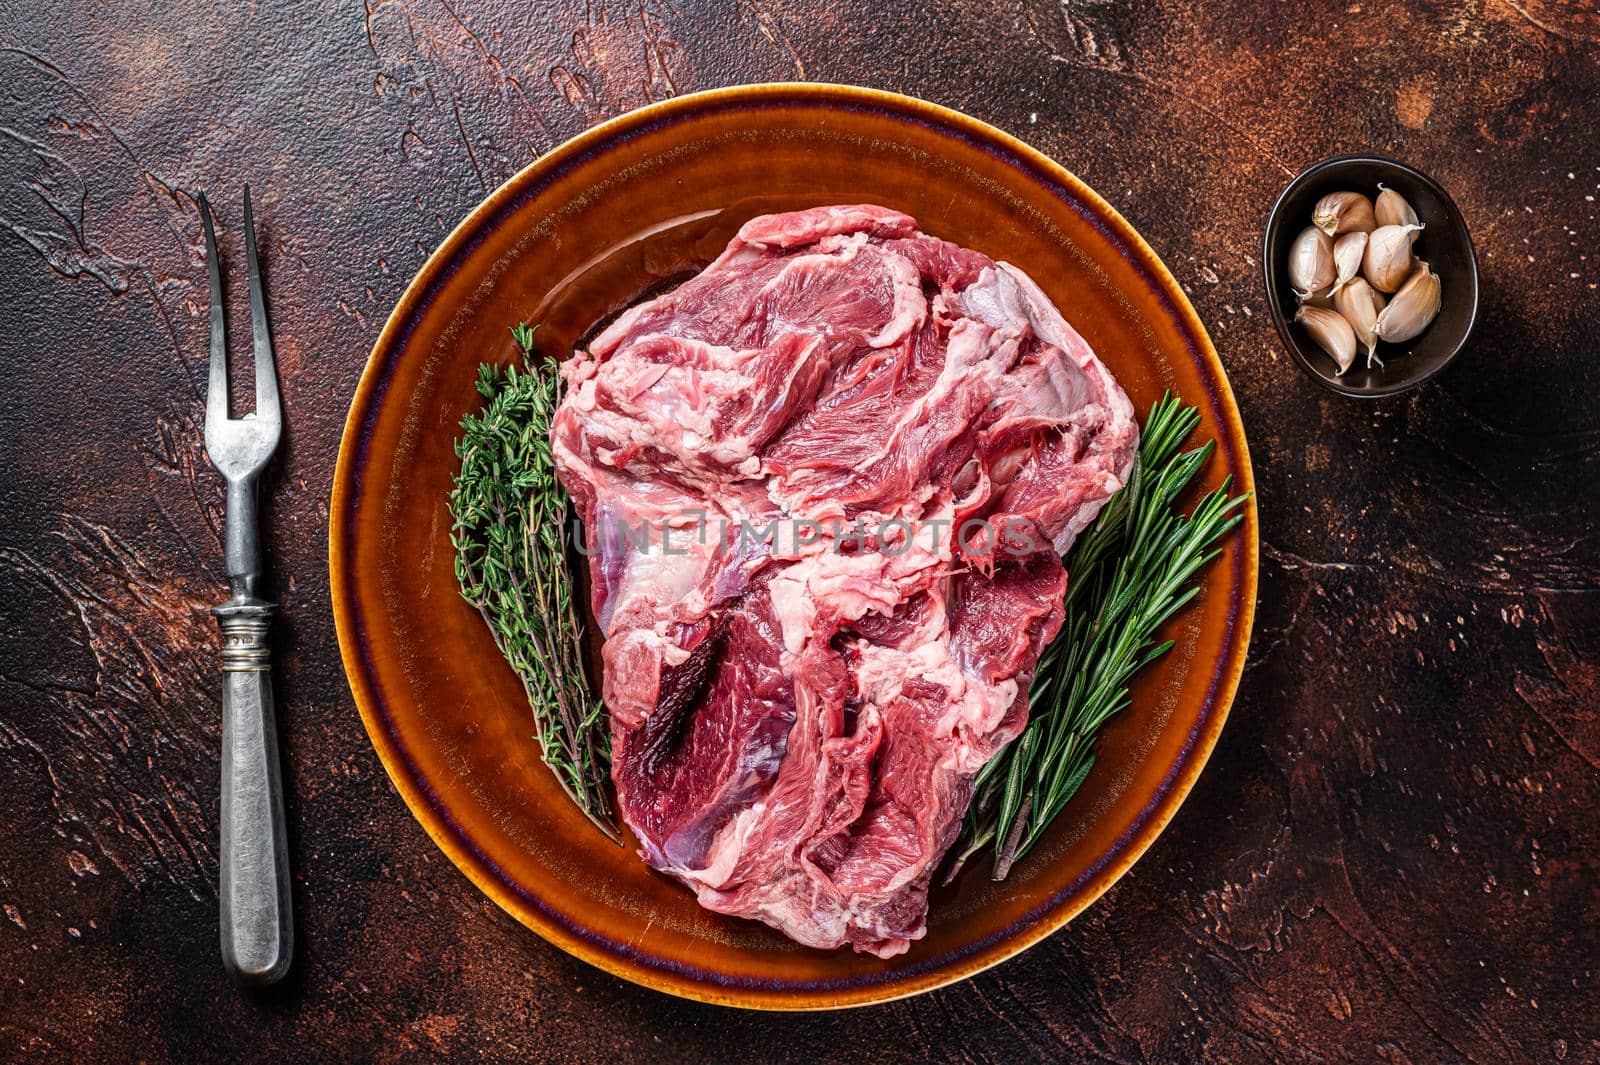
[
  {"x": 1413, "y": 308},
  {"x": 1332, "y": 334},
  {"x": 1344, "y": 212},
  {"x": 1359, "y": 303},
  {"x": 1387, "y": 261},
  {"x": 1348, "y": 252},
  {"x": 1393, "y": 210},
  {"x": 1379, "y": 301},
  {"x": 1311, "y": 263}
]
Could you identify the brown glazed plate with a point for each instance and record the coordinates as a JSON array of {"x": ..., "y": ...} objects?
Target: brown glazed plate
[{"x": 624, "y": 210}]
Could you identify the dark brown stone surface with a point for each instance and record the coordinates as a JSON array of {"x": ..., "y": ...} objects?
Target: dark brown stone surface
[{"x": 1393, "y": 854}]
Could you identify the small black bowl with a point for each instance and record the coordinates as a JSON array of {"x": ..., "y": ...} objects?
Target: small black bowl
[{"x": 1444, "y": 243}]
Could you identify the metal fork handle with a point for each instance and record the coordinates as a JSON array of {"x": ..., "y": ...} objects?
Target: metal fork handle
[
  {"x": 241, "y": 547},
  {"x": 257, "y": 920}
]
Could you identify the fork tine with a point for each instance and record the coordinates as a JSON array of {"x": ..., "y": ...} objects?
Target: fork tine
[
  {"x": 217, "y": 390},
  {"x": 266, "y": 369}
]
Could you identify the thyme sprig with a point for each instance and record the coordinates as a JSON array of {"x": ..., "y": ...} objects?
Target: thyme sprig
[
  {"x": 1128, "y": 575},
  {"x": 509, "y": 515}
]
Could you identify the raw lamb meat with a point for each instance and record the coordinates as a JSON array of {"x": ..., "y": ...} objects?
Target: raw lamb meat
[{"x": 826, "y": 485}]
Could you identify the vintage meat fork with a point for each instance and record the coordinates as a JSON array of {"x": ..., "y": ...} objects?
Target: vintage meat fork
[{"x": 257, "y": 925}]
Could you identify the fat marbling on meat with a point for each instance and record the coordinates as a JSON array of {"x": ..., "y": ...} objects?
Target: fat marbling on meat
[{"x": 826, "y": 485}]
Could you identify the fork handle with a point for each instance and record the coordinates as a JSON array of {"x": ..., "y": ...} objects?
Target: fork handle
[
  {"x": 241, "y": 538},
  {"x": 257, "y": 922}
]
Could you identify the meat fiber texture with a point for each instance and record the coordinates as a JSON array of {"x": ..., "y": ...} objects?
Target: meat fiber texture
[{"x": 826, "y": 485}]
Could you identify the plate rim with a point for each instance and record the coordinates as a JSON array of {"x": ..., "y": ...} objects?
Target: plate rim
[{"x": 1159, "y": 811}]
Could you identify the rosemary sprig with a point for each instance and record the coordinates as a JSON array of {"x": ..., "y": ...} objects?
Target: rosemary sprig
[
  {"x": 1129, "y": 574},
  {"x": 509, "y": 514}
]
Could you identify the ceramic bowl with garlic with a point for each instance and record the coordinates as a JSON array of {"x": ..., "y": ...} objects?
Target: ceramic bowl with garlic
[{"x": 1370, "y": 274}]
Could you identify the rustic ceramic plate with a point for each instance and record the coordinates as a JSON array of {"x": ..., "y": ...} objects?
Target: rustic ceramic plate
[{"x": 623, "y": 210}]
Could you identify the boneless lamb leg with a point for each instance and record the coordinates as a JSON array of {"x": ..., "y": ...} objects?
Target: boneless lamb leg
[{"x": 829, "y": 481}]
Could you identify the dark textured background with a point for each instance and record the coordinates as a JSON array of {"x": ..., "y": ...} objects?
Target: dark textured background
[{"x": 1393, "y": 852}]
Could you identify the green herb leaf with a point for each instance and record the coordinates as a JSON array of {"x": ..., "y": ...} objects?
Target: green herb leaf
[{"x": 508, "y": 512}]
